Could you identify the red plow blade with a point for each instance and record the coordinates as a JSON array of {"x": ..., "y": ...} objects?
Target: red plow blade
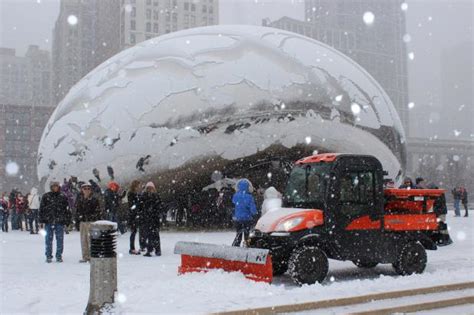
[{"x": 254, "y": 263}]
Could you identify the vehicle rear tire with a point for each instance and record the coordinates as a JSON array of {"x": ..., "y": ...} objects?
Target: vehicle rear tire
[
  {"x": 365, "y": 264},
  {"x": 279, "y": 267},
  {"x": 308, "y": 265},
  {"x": 411, "y": 259}
]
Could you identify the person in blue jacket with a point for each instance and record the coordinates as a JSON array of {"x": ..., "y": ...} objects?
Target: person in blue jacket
[{"x": 244, "y": 211}]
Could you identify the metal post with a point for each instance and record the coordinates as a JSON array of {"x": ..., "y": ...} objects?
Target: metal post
[{"x": 103, "y": 274}]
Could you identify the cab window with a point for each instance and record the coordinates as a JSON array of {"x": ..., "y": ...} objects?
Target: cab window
[{"x": 357, "y": 188}]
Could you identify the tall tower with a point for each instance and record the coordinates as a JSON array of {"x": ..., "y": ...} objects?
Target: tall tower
[
  {"x": 145, "y": 19},
  {"x": 377, "y": 46}
]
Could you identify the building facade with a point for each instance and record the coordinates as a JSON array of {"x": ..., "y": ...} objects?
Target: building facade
[
  {"x": 378, "y": 47},
  {"x": 85, "y": 34},
  {"x": 21, "y": 127},
  {"x": 144, "y": 19},
  {"x": 25, "y": 80}
]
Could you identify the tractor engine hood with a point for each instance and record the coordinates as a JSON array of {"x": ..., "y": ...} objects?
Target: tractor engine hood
[{"x": 289, "y": 220}]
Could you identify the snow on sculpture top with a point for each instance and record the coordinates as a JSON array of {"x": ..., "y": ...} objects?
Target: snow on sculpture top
[{"x": 179, "y": 88}]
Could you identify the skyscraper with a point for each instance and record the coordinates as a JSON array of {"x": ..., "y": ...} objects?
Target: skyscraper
[
  {"x": 145, "y": 19},
  {"x": 85, "y": 34},
  {"x": 375, "y": 43},
  {"x": 25, "y": 80}
]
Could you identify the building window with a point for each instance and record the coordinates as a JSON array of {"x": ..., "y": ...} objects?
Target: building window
[
  {"x": 148, "y": 27},
  {"x": 204, "y": 21},
  {"x": 155, "y": 14},
  {"x": 193, "y": 7},
  {"x": 193, "y": 20},
  {"x": 175, "y": 17},
  {"x": 148, "y": 14},
  {"x": 134, "y": 12},
  {"x": 148, "y": 2},
  {"x": 186, "y": 6},
  {"x": 155, "y": 3},
  {"x": 133, "y": 25},
  {"x": 133, "y": 39},
  {"x": 155, "y": 28},
  {"x": 211, "y": 10},
  {"x": 204, "y": 8}
]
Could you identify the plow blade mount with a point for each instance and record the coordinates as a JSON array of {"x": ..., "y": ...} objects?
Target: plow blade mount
[{"x": 254, "y": 263}]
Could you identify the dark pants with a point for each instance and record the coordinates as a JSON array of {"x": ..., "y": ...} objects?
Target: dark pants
[
  {"x": 33, "y": 217},
  {"x": 113, "y": 216},
  {"x": 5, "y": 221},
  {"x": 152, "y": 239},
  {"x": 242, "y": 227},
  {"x": 465, "y": 208},
  {"x": 52, "y": 229},
  {"x": 141, "y": 240}
]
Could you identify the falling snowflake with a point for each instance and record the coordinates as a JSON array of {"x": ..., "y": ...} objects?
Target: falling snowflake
[
  {"x": 42, "y": 232},
  {"x": 338, "y": 98},
  {"x": 456, "y": 158},
  {"x": 407, "y": 38},
  {"x": 368, "y": 18},
  {"x": 411, "y": 55},
  {"x": 411, "y": 105},
  {"x": 72, "y": 19},
  {"x": 355, "y": 108},
  {"x": 121, "y": 298},
  {"x": 404, "y": 6},
  {"x": 269, "y": 175},
  {"x": 457, "y": 133},
  {"x": 128, "y": 8},
  {"x": 307, "y": 140},
  {"x": 12, "y": 168},
  {"x": 315, "y": 152}
]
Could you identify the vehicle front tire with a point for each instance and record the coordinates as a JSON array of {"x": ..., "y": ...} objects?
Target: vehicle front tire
[
  {"x": 365, "y": 264},
  {"x": 308, "y": 265},
  {"x": 411, "y": 259},
  {"x": 279, "y": 268}
]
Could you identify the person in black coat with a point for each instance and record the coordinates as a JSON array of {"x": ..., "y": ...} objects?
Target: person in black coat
[
  {"x": 112, "y": 205},
  {"x": 88, "y": 211},
  {"x": 151, "y": 209},
  {"x": 134, "y": 213},
  {"x": 407, "y": 184},
  {"x": 55, "y": 214}
]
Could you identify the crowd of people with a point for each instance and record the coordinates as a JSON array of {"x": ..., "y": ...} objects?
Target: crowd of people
[{"x": 139, "y": 209}]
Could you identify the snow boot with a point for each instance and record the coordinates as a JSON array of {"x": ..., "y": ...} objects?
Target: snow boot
[
  {"x": 59, "y": 259},
  {"x": 133, "y": 252},
  {"x": 158, "y": 253},
  {"x": 49, "y": 260},
  {"x": 148, "y": 254}
]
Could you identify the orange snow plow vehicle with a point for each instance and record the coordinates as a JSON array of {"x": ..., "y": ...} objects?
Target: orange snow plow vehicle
[{"x": 335, "y": 207}]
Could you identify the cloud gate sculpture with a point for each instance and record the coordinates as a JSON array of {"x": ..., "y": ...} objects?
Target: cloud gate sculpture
[{"x": 242, "y": 100}]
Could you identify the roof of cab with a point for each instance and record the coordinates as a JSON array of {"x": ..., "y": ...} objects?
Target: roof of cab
[{"x": 325, "y": 157}]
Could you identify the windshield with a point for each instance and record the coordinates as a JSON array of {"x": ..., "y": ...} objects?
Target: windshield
[{"x": 307, "y": 186}]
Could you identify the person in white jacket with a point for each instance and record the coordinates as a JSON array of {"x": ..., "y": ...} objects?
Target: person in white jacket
[
  {"x": 33, "y": 204},
  {"x": 272, "y": 200}
]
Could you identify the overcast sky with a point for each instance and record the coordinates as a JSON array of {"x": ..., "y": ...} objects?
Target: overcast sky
[{"x": 434, "y": 26}]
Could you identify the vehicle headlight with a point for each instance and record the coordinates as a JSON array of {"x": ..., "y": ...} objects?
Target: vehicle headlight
[{"x": 289, "y": 224}]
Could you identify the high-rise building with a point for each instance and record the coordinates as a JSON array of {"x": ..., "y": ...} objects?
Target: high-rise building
[
  {"x": 25, "y": 80},
  {"x": 145, "y": 19},
  {"x": 377, "y": 45},
  {"x": 21, "y": 127},
  {"x": 85, "y": 34}
]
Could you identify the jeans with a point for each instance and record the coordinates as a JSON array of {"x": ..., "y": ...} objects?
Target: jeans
[
  {"x": 112, "y": 216},
  {"x": 33, "y": 217},
  {"x": 52, "y": 229},
  {"x": 152, "y": 239},
  {"x": 243, "y": 228},
  {"x": 465, "y": 208},
  {"x": 14, "y": 220},
  {"x": 141, "y": 239},
  {"x": 5, "y": 221},
  {"x": 457, "y": 209}
]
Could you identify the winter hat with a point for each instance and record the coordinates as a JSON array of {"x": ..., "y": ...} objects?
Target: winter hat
[
  {"x": 150, "y": 184},
  {"x": 85, "y": 185},
  {"x": 114, "y": 186},
  {"x": 54, "y": 183}
]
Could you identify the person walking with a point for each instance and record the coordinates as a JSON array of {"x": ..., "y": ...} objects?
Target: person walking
[
  {"x": 134, "y": 212},
  {"x": 457, "y": 200},
  {"x": 151, "y": 208},
  {"x": 112, "y": 204},
  {"x": 54, "y": 213},
  {"x": 464, "y": 200},
  {"x": 33, "y": 204},
  {"x": 88, "y": 211},
  {"x": 4, "y": 211},
  {"x": 244, "y": 211}
]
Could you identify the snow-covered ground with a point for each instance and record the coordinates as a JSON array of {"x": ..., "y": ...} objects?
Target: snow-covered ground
[{"x": 151, "y": 285}]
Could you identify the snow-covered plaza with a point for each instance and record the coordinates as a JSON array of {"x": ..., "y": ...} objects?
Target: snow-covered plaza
[{"x": 151, "y": 285}]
